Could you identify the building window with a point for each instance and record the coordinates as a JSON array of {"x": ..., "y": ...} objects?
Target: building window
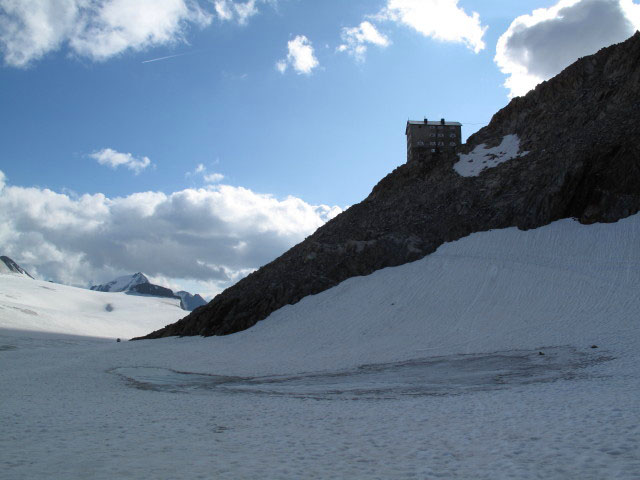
[
  {"x": 452, "y": 135},
  {"x": 432, "y": 135},
  {"x": 441, "y": 144},
  {"x": 452, "y": 144},
  {"x": 433, "y": 150},
  {"x": 441, "y": 134},
  {"x": 433, "y": 144},
  {"x": 420, "y": 143}
]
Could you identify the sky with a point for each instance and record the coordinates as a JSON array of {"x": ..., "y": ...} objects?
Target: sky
[{"x": 196, "y": 140}]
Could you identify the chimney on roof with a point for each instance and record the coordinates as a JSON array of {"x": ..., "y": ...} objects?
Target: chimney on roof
[
  {"x": 442, "y": 121},
  {"x": 425, "y": 120}
]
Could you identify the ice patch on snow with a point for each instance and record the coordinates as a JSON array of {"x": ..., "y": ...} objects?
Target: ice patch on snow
[
  {"x": 432, "y": 376},
  {"x": 481, "y": 158}
]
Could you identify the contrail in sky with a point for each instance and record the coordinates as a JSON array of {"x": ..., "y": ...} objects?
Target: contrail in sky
[{"x": 164, "y": 58}]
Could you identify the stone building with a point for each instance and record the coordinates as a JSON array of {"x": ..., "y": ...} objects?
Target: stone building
[{"x": 427, "y": 138}]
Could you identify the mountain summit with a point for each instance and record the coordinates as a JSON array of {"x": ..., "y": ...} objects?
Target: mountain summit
[
  {"x": 122, "y": 284},
  {"x": 139, "y": 284},
  {"x": 9, "y": 266},
  {"x": 569, "y": 148}
]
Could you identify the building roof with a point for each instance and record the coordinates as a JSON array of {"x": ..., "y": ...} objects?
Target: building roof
[{"x": 431, "y": 122}]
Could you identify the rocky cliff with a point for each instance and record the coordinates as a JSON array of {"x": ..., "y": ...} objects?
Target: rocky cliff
[{"x": 581, "y": 130}]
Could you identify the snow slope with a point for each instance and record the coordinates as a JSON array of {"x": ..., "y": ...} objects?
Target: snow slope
[
  {"x": 427, "y": 370},
  {"x": 28, "y": 304}
]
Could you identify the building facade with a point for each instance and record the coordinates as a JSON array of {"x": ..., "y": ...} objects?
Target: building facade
[{"x": 427, "y": 138}]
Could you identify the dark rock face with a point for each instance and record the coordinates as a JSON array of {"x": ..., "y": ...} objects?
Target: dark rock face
[
  {"x": 190, "y": 302},
  {"x": 582, "y": 131},
  {"x": 153, "y": 290}
]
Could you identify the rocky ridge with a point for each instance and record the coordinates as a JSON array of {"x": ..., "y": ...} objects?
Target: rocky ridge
[
  {"x": 582, "y": 132},
  {"x": 9, "y": 266}
]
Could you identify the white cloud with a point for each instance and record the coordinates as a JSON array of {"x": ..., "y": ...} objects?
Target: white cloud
[
  {"x": 29, "y": 29},
  {"x": 213, "y": 177},
  {"x": 201, "y": 170},
  {"x": 281, "y": 66},
  {"x": 113, "y": 159},
  {"x": 539, "y": 45},
  {"x": 440, "y": 19},
  {"x": 239, "y": 11},
  {"x": 356, "y": 39},
  {"x": 300, "y": 57},
  {"x": 213, "y": 235}
]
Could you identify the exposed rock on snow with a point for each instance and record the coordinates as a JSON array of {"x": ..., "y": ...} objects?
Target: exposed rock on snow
[
  {"x": 9, "y": 266},
  {"x": 483, "y": 157},
  {"x": 582, "y": 132}
]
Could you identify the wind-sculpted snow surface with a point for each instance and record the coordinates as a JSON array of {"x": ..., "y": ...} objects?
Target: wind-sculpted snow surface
[
  {"x": 581, "y": 130},
  {"x": 427, "y": 370}
]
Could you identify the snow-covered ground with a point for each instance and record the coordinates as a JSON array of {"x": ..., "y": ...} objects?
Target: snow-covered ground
[
  {"x": 481, "y": 157},
  {"x": 28, "y": 304},
  {"x": 428, "y": 370}
]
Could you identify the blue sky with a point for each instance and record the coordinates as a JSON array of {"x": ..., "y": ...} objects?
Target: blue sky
[{"x": 257, "y": 120}]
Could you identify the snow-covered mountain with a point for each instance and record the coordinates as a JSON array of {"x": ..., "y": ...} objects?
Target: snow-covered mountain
[
  {"x": 139, "y": 284},
  {"x": 122, "y": 284},
  {"x": 9, "y": 266}
]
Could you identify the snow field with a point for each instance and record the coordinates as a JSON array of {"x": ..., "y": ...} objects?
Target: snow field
[
  {"x": 76, "y": 407},
  {"x": 28, "y": 304}
]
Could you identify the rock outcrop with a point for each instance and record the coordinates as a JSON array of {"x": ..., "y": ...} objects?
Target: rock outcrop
[
  {"x": 9, "y": 266},
  {"x": 190, "y": 302},
  {"x": 581, "y": 130}
]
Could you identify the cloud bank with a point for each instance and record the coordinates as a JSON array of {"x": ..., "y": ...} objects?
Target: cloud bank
[
  {"x": 540, "y": 45},
  {"x": 300, "y": 57},
  {"x": 213, "y": 235}
]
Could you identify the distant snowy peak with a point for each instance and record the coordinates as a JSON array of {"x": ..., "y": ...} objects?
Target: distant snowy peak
[
  {"x": 122, "y": 284},
  {"x": 9, "y": 266},
  {"x": 139, "y": 284}
]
